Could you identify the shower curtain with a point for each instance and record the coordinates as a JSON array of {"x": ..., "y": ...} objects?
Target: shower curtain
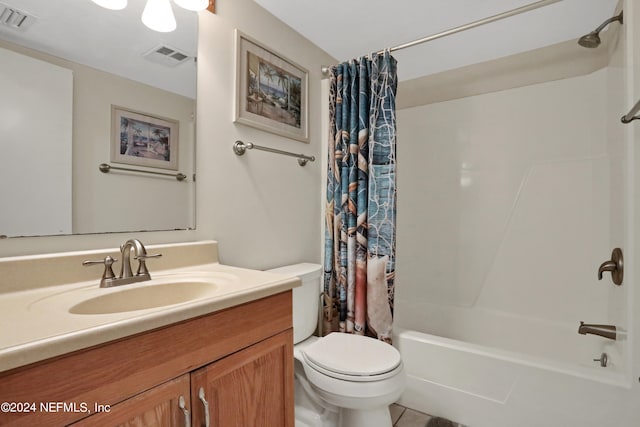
[{"x": 359, "y": 265}]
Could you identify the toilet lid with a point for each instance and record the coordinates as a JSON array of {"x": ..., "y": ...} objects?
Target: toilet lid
[{"x": 352, "y": 355}]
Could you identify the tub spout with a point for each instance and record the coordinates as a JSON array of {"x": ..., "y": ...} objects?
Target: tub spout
[{"x": 606, "y": 331}]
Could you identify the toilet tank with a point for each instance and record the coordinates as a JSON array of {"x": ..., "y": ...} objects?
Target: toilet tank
[{"x": 306, "y": 298}]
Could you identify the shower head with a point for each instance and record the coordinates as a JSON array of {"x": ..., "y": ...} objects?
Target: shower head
[{"x": 592, "y": 39}]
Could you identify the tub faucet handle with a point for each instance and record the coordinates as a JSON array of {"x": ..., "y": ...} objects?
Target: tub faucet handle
[
  {"x": 615, "y": 265},
  {"x": 603, "y": 360}
]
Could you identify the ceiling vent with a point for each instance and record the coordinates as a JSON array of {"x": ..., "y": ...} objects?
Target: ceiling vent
[
  {"x": 166, "y": 55},
  {"x": 14, "y": 18}
]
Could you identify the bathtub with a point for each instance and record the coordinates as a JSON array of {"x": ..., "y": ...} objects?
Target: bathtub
[{"x": 486, "y": 386}]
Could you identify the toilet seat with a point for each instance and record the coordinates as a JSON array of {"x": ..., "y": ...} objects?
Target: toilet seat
[{"x": 353, "y": 358}]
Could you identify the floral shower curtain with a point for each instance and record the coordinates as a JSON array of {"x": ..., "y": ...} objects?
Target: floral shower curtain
[{"x": 359, "y": 266}]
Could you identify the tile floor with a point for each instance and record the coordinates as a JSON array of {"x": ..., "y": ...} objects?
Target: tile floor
[{"x": 406, "y": 417}]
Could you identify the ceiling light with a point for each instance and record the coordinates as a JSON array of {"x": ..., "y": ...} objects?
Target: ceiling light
[
  {"x": 194, "y": 5},
  {"x": 112, "y": 4},
  {"x": 158, "y": 16}
]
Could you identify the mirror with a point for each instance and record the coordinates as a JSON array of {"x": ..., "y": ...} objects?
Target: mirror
[{"x": 73, "y": 64}]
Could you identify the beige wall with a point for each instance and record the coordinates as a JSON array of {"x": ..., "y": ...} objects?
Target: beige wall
[
  {"x": 263, "y": 208},
  {"x": 555, "y": 62}
]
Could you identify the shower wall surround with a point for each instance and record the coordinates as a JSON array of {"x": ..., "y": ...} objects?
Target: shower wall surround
[
  {"x": 511, "y": 192},
  {"x": 508, "y": 203}
]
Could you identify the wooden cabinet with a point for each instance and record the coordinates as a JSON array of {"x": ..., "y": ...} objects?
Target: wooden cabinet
[
  {"x": 241, "y": 358},
  {"x": 247, "y": 388},
  {"x": 161, "y": 406}
]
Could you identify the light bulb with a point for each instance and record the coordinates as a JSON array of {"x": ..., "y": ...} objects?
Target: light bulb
[
  {"x": 158, "y": 16},
  {"x": 194, "y": 5},
  {"x": 111, "y": 4}
]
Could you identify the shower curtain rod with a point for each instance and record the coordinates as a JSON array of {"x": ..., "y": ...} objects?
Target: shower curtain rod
[{"x": 474, "y": 24}]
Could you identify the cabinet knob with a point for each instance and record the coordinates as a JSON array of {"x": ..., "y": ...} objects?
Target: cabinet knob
[
  {"x": 205, "y": 405},
  {"x": 185, "y": 411}
]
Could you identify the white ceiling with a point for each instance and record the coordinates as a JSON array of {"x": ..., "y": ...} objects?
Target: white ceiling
[
  {"x": 112, "y": 41},
  {"x": 350, "y": 28}
]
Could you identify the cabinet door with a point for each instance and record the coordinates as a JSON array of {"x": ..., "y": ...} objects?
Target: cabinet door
[
  {"x": 250, "y": 388},
  {"x": 159, "y": 406}
]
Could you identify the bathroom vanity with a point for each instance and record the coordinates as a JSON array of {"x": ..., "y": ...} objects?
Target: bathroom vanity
[{"x": 224, "y": 358}]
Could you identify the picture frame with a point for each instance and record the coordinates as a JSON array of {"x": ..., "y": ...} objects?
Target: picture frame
[
  {"x": 271, "y": 90},
  {"x": 143, "y": 139}
]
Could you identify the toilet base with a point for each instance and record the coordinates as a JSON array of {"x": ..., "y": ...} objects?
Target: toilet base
[
  {"x": 376, "y": 417},
  {"x": 306, "y": 417},
  {"x": 309, "y": 412},
  {"x": 379, "y": 417}
]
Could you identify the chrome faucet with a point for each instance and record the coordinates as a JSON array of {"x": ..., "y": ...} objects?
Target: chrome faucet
[
  {"x": 606, "y": 331},
  {"x": 140, "y": 253},
  {"x": 109, "y": 279}
]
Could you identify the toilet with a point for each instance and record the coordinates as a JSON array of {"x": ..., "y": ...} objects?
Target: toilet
[{"x": 341, "y": 380}]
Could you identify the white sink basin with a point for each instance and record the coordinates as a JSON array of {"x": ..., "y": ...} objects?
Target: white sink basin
[
  {"x": 167, "y": 290},
  {"x": 141, "y": 298}
]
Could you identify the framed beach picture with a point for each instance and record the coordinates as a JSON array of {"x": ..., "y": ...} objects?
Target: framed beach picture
[
  {"x": 271, "y": 90},
  {"x": 141, "y": 139}
]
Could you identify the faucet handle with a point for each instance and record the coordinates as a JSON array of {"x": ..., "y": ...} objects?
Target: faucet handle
[
  {"x": 603, "y": 360},
  {"x": 615, "y": 265},
  {"x": 108, "y": 270},
  {"x": 142, "y": 266}
]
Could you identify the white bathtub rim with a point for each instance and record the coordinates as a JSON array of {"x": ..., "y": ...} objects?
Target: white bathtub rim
[
  {"x": 460, "y": 390},
  {"x": 617, "y": 379}
]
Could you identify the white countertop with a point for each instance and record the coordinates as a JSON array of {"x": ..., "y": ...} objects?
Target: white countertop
[{"x": 36, "y": 323}]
